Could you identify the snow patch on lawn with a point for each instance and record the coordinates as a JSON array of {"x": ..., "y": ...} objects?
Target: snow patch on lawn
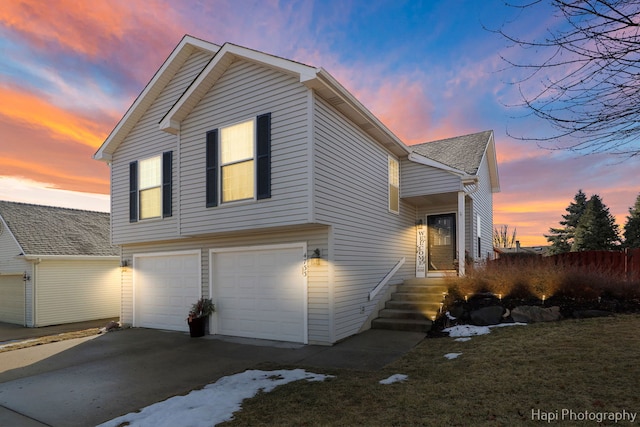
[
  {"x": 215, "y": 403},
  {"x": 452, "y": 355},
  {"x": 463, "y": 339},
  {"x": 466, "y": 330},
  {"x": 394, "y": 379},
  {"x": 471, "y": 330}
]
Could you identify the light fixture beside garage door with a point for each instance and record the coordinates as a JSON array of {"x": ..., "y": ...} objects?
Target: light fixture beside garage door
[{"x": 315, "y": 257}]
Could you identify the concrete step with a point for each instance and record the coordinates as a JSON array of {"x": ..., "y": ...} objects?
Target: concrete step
[
  {"x": 394, "y": 313},
  {"x": 416, "y": 296},
  {"x": 429, "y": 281},
  {"x": 421, "y": 289},
  {"x": 413, "y": 325},
  {"x": 423, "y": 306}
]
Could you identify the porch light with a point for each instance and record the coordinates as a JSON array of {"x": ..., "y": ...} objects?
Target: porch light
[
  {"x": 26, "y": 277},
  {"x": 315, "y": 257},
  {"x": 124, "y": 264},
  {"x": 419, "y": 223}
]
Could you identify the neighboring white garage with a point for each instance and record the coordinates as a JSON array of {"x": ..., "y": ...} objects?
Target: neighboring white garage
[
  {"x": 76, "y": 290},
  {"x": 57, "y": 265},
  {"x": 260, "y": 292},
  {"x": 12, "y": 299},
  {"x": 165, "y": 286}
]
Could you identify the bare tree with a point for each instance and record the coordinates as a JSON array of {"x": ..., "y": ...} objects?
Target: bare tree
[
  {"x": 583, "y": 76},
  {"x": 502, "y": 238}
]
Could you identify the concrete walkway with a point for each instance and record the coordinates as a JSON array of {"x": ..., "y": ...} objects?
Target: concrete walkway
[{"x": 87, "y": 381}]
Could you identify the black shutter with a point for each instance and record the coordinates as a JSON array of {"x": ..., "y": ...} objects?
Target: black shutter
[
  {"x": 263, "y": 157},
  {"x": 133, "y": 192},
  {"x": 212, "y": 168},
  {"x": 167, "y": 167}
]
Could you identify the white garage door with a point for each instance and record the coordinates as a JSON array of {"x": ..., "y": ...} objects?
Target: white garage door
[
  {"x": 261, "y": 293},
  {"x": 165, "y": 287},
  {"x": 12, "y": 299}
]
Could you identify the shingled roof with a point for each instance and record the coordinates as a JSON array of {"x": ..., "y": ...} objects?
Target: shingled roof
[
  {"x": 463, "y": 153},
  {"x": 48, "y": 230}
]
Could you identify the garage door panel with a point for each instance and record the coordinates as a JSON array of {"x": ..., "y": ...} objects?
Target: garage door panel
[
  {"x": 165, "y": 287},
  {"x": 261, "y": 293}
]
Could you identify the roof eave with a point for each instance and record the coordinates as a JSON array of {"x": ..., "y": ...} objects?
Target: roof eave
[
  {"x": 207, "y": 78},
  {"x": 492, "y": 162},
  {"x": 339, "y": 97},
  {"x": 170, "y": 66},
  {"x": 35, "y": 257},
  {"x": 423, "y": 160}
]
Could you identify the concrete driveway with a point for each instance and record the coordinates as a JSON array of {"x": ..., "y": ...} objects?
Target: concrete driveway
[{"x": 87, "y": 381}]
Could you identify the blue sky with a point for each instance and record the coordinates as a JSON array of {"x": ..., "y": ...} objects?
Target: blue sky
[{"x": 427, "y": 69}]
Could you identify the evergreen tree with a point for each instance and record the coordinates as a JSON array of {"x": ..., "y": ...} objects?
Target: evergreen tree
[
  {"x": 632, "y": 226},
  {"x": 597, "y": 229},
  {"x": 561, "y": 239}
]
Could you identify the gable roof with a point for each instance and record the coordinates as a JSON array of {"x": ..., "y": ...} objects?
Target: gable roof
[
  {"x": 161, "y": 78},
  {"x": 464, "y": 153},
  {"x": 48, "y": 230},
  {"x": 314, "y": 78}
]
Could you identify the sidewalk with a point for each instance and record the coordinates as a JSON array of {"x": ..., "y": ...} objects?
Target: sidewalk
[{"x": 10, "y": 332}]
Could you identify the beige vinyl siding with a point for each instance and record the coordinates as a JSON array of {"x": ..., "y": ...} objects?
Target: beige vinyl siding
[
  {"x": 483, "y": 205},
  {"x": 14, "y": 295},
  {"x": 74, "y": 291},
  {"x": 318, "y": 291},
  {"x": 146, "y": 140},
  {"x": 10, "y": 261},
  {"x": 420, "y": 180},
  {"x": 12, "y": 299},
  {"x": 244, "y": 91},
  {"x": 351, "y": 188}
]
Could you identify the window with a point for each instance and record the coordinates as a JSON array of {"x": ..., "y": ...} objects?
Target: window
[
  {"x": 394, "y": 185},
  {"x": 237, "y": 170},
  {"x": 150, "y": 187},
  {"x": 238, "y": 160},
  {"x": 479, "y": 232}
]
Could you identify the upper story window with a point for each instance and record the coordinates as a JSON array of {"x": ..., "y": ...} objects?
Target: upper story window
[
  {"x": 150, "y": 188},
  {"x": 150, "y": 183},
  {"x": 238, "y": 162},
  {"x": 237, "y": 166},
  {"x": 394, "y": 185}
]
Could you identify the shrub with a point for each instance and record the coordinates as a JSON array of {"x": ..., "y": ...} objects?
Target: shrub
[{"x": 533, "y": 276}]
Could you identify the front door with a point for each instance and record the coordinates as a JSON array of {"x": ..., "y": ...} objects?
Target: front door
[{"x": 442, "y": 242}]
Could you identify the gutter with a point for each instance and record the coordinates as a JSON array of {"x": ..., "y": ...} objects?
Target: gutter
[{"x": 38, "y": 258}]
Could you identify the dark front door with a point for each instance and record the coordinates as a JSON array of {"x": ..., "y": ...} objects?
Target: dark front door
[{"x": 442, "y": 242}]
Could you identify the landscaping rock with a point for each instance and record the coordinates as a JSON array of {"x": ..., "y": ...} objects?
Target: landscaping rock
[
  {"x": 587, "y": 314},
  {"x": 485, "y": 316},
  {"x": 532, "y": 314}
]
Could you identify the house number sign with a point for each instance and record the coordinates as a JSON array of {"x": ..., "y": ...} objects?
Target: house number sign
[{"x": 421, "y": 256}]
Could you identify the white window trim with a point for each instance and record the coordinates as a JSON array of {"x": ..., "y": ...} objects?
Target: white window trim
[
  {"x": 221, "y": 202},
  {"x": 397, "y": 162},
  {"x": 140, "y": 189}
]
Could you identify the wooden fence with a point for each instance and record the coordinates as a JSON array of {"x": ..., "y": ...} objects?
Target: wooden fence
[{"x": 624, "y": 263}]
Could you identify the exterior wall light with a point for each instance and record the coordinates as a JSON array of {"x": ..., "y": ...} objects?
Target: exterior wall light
[
  {"x": 26, "y": 277},
  {"x": 315, "y": 257},
  {"x": 124, "y": 264}
]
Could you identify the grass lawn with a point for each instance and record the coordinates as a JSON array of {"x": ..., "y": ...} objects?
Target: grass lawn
[{"x": 579, "y": 365}]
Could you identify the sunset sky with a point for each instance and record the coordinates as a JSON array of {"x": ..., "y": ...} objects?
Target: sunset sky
[{"x": 428, "y": 69}]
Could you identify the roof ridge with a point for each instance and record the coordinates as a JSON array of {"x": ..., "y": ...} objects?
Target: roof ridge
[
  {"x": 53, "y": 207},
  {"x": 451, "y": 137}
]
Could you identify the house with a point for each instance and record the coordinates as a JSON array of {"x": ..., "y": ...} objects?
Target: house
[
  {"x": 264, "y": 184},
  {"x": 56, "y": 265}
]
